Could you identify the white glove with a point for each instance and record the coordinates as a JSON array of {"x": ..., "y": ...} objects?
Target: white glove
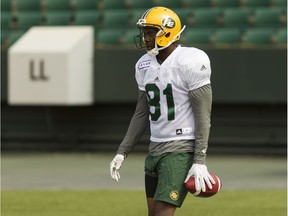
[
  {"x": 201, "y": 175},
  {"x": 115, "y": 166}
]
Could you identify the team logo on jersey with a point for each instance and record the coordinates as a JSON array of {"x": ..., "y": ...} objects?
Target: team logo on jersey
[
  {"x": 178, "y": 131},
  {"x": 174, "y": 195},
  {"x": 144, "y": 64},
  {"x": 168, "y": 22}
]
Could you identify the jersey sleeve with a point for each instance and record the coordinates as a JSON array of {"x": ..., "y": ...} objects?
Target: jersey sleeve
[
  {"x": 137, "y": 126},
  {"x": 197, "y": 70},
  {"x": 139, "y": 78},
  {"x": 140, "y": 68},
  {"x": 201, "y": 103}
]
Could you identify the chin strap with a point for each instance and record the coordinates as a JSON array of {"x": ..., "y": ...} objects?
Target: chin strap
[{"x": 156, "y": 49}]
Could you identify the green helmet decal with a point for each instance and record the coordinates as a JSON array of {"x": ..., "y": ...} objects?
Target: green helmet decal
[{"x": 168, "y": 22}]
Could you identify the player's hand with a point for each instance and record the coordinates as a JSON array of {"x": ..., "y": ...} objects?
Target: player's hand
[
  {"x": 115, "y": 166},
  {"x": 201, "y": 175}
]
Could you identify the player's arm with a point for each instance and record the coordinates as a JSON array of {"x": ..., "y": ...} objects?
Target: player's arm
[
  {"x": 201, "y": 103},
  {"x": 137, "y": 126},
  {"x": 135, "y": 130}
]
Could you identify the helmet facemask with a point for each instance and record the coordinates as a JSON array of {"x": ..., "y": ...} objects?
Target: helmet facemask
[{"x": 140, "y": 41}]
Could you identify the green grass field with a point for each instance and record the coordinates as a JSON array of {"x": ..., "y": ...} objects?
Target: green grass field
[{"x": 132, "y": 203}]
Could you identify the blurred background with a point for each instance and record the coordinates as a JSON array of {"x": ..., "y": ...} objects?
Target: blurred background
[{"x": 246, "y": 41}]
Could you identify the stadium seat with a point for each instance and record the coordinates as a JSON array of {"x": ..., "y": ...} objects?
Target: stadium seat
[
  {"x": 25, "y": 20},
  {"x": 86, "y": 5},
  {"x": 6, "y": 19},
  {"x": 57, "y": 5},
  {"x": 91, "y": 17},
  {"x": 226, "y": 3},
  {"x": 113, "y": 5},
  {"x": 109, "y": 37},
  {"x": 172, "y": 4},
  {"x": 138, "y": 4},
  {"x": 237, "y": 17},
  {"x": 281, "y": 37},
  {"x": 258, "y": 36},
  {"x": 268, "y": 17},
  {"x": 135, "y": 16},
  {"x": 197, "y": 4},
  {"x": 29, "y": 5},
  {"x": 204, "y": 18},
  {"x": 6, "y": 5},
  {"x": 128, "y": 38},
  {"x": 196, "y": 37},
  {"x": 227, "y": 36},
  {"x": 57, "y": 18},
  {"x": 279, "y": 3},
  {"x": 116, "y": 18},
  {"x": 183, "y": 14},
  {"x": 255, "y": 3}
]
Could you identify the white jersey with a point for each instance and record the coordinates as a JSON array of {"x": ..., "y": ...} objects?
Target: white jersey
[{"x": 167, "y": 86}]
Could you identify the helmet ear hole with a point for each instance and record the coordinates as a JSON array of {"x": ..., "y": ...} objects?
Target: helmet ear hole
[{"x": 167, "y": 35}]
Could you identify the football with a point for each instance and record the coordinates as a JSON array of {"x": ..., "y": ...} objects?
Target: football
[{"x": 190, "y": 185}]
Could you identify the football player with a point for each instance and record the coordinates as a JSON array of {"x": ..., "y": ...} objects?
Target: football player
[{"x": 175, "y": 96}]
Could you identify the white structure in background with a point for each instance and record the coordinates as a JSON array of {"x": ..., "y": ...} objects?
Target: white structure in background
[{"x": 52, "y": 66}]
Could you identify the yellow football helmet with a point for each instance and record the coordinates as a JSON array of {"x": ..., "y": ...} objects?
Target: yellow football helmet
[{"x": 168, "y": 24}]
